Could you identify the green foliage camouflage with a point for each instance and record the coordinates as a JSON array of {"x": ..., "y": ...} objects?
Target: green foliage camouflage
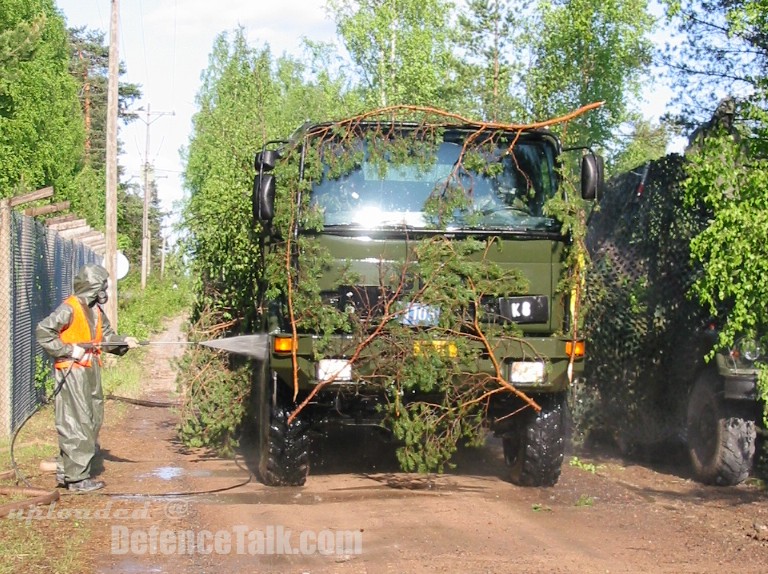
[
  {"x": 212, "y": 386},
  {"x": 435, "y": 398},
  {"x": 678, "y": 274},
  {"x": 215, "y": 390}
]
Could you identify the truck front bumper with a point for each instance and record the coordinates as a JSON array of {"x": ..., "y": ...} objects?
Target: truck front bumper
[{"x": 532, "y": 364}]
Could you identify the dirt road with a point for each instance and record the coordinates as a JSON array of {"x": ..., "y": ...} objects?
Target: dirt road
[{"x": 358, "y": 514}]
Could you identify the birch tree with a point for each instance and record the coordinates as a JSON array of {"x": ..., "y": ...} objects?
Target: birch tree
[{"x": 399, "y": 48}]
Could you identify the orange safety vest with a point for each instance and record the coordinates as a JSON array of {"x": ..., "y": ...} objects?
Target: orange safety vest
[{"x": 78, "y": 333}]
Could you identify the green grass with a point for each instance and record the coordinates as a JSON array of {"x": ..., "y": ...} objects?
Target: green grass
[
  {"x": 43, "y": 546},
  {"x": 36, "y": 441},
  {"x": 123, "y": 375},
  {"x": 584, "y": 465},
  {"x": 141, "y": 312}
]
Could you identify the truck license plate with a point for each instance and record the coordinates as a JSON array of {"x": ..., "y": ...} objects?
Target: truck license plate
[{"x": 418, "y": 315}]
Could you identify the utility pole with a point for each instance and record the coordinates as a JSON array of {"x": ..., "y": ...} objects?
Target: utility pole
[
  {"x": 146, "y": 240},
  {"x": 145, "y": 244},
  {"x": 110, "y": 256},
  {"x": 162, "y": 256}
]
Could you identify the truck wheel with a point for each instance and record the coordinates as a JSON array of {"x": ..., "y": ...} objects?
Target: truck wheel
[
  {"x": 534, "y": 450},
  {"x": 721, "y": 439},
  {"x": 286, "y": 457}
]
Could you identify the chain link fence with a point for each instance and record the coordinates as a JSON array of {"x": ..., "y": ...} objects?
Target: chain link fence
[{"x": 36, "y": 271}]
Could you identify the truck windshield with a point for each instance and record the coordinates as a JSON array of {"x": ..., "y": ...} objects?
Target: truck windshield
[{"x": 493, "y": 187}]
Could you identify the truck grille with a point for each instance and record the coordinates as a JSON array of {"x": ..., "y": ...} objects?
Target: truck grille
[{"x": 367, "y": 302}]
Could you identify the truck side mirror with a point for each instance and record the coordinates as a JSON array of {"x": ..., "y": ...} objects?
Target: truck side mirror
[
  {"x": 265, "y": 161},
  {"x": 592, "y": 178},
  {"x": 263, "y": 198}
]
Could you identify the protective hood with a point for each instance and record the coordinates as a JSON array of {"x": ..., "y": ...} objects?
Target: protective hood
[{"x": 89, "y": 281}]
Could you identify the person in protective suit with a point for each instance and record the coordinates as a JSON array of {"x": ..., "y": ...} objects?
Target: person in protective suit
[{"x": 75, "y": 335}]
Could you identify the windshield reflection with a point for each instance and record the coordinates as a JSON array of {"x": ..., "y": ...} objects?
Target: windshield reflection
[{"x": 508, "y": 190}]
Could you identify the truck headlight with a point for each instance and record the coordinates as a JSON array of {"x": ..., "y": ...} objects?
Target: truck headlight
[
  {"x": 339, "y": 369},
  {"x": 747, "y": 349},
  {"x": 526, "y": 372}
]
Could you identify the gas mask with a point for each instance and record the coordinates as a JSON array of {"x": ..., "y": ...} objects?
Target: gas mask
[{"x": 101, "y": 296}]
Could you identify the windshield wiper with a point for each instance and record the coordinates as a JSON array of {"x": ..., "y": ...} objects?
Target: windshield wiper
[
  {"x": 549, "y": 226},
  {"x": 504, "y": 209},
  {"x": 397, "y": 225},
  {"x": 359, "y": 226}
]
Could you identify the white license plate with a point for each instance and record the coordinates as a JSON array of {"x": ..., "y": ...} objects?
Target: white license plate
[{"x": 418, "y": 315}]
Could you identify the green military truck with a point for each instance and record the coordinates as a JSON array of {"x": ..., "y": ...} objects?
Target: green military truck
[
  {"x": 652, "y": 389},
  {"x": 366, "y": 231},
  {"x": 724, "y": 415}
]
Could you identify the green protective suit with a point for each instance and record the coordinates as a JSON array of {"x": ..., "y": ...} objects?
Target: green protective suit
[{"x": 79, "y": 405}]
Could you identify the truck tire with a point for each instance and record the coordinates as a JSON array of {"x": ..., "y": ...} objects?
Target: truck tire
[
  {"x": 721, "y": 438},
  {"x": 287, "y": 449},
  {"x": 534, "y": 450}
]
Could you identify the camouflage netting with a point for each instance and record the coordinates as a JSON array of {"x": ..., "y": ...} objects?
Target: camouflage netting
[{"x": 645, "y": 336}]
